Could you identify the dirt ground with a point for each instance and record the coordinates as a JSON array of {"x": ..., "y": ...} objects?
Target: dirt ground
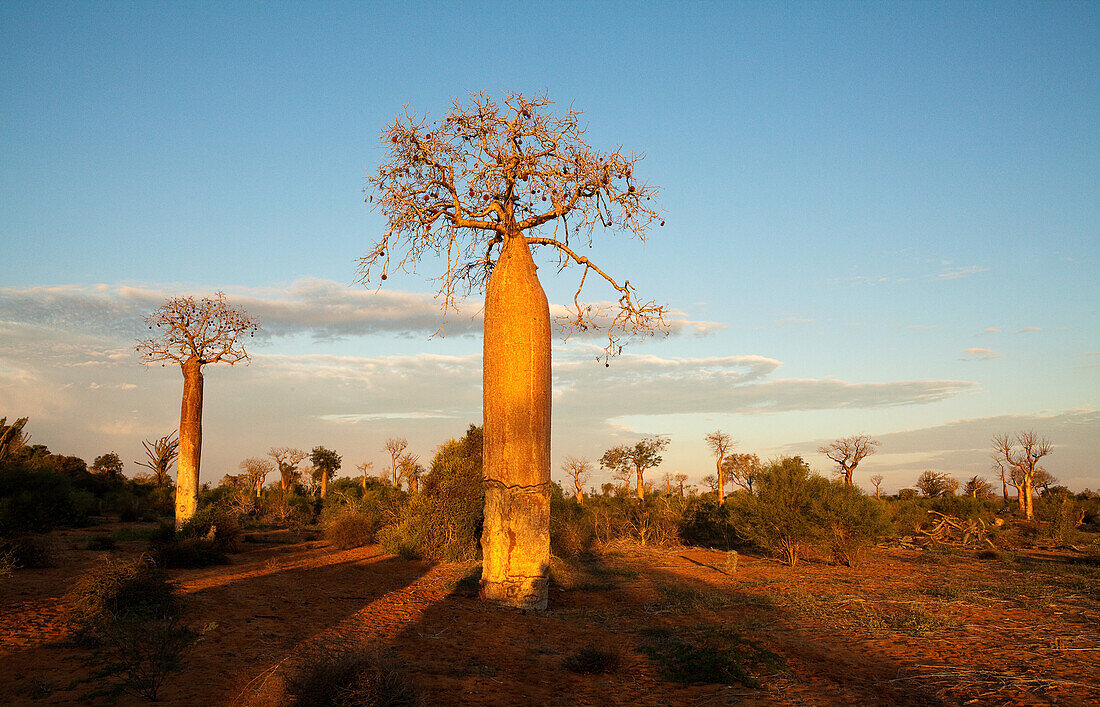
[{"x": 909, "y": 627}]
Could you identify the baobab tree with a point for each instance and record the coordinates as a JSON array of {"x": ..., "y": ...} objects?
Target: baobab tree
[
  {"x": 255, "y": 471},
  {"x": 680, "y": 479},
  {"x": 848, "y": 452},
  {"x": 364, "y": 468},
  {"x": 977, "y": 487},
  {"x": 195, "y": 334},
  {"x": 579, "y": 470},
  {"x": 877, "y": 480},
  {"x": 287, "y": 460},
  {"x": 720, "y": 444},
  {"x": 161, "y": 453},
  {"x": 410, "y": 469},
  {"x": 1020, "y": 454},
  {"x": 325, "y": 462},
  {"x": 395, "y": 446},
  {"x": 627, "y": 460},
  {"x": 12, "y": 437},
  {"x": 482, "y": 187}
]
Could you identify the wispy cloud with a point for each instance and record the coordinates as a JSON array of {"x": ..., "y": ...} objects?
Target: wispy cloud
[
  {"x": 980, "y": 354},
  {"x": 1028, "y": 329},
  {"x": 954, "y": 273}
]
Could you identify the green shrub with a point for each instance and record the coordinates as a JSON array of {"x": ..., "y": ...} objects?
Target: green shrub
[
  {"x": 188, "y": 553},
  {"x": 571, "y": 528},
  {"x": 346, "y": 677},
  {"x": 853, "y": 522},
  {"x": 216, "y": 524},
  {"x": 785, "y": 513},
  {"x": 349, "y": 530},
  {"x": 591, "y": 660},
  {"x": 710, "y": 654},
  {"x": 443, "y": 521},
  {"x": 706, "y": 524},
  {"x": 119, "y": 590}
]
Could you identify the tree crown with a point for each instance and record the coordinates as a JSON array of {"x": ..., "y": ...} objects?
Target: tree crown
[
  {"x": 491, "y": 172},
  {"x": 208, "y": 331}
]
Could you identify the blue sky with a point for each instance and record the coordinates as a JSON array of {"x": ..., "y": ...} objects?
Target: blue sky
[{"x": 897, "y": 206}]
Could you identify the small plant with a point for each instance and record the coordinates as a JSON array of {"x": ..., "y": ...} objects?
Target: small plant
[
  {"x": 711, "y": 654},
  {"x": 31, "y": 551},
  {"x": 137, "y": 655},
  {"x": 346, "y": 677},
  {"x": 592, "y": 660},
  {"x": 117, "y": 591},
  {"x": 348, "y": 530},
  {"x": 730, "y": 565}
]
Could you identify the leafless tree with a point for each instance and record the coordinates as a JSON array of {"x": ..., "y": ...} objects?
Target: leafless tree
[
  {"x": 161, "y": 453},
  {"x": 1020, "y": 455},
  {"x": 194, "y": 334},
  {"x": 877, "y": 480},
  {"x": 743, "y": 469},
  {"x": 936, "y": 483},
  {"x": 579, "y": 470},
  {"x": 409, "y": 469},
  {"x": 848, "y": 452},
  {"x": 255, "y": 471},
  {"x": 711, "y": 482},
  {"x": 977, "y": 487},
  {"x": 720, "y": 444},
  {"x": 680, "y": 479},
  {"x": 365, "y": 468},
  {"x": 287, "y": 460},
  {"x": 482, "y": 187},
  {"x": 395, "y": 446}
]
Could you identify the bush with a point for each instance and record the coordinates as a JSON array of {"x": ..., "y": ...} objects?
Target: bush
[
  {"x": 31, "y": 551},
  {"x": 591, "y": 660},
  {"x": 443, "y": 521},
  {"x": 349, "y": 530},
  {"x": 853, "y": 522},
  {"x": 119, "y": 590},
  {"x": 571, "y": 529},
  {"x": 188, "y": 553},
  {"x": 707, "y": 524},
  {"x": 218, "y": 525},
  {"x": 785, "y": 513},
  {"x": 33, "y": 501},
  {"x": 339, "y": 677}
]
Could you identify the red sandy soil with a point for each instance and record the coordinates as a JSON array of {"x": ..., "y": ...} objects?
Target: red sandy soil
[{"x": 909, "y": 627}]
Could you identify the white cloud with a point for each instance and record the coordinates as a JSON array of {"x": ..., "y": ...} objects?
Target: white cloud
[
  {"x": 957, "y": 272},
  {"x": 977, "y": 353},
  {"x": 1027, "y": 329}
]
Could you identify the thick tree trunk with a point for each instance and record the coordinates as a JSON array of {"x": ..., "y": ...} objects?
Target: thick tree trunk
[
  {"x": 1026, "y": 490},
  {"x": 324, "y": 483},
  {"x": 721, "y": 483},
  {"x": 515, "y": 541},
  {"x": 848, "y": 477},
  {"x": 187, "y": 469},
  {"x": 641, "y": 485},
  {"x": 579, "y": 494}
]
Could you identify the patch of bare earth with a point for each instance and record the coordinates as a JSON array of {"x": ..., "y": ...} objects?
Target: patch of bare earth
[{"x": 909, "y": 627}]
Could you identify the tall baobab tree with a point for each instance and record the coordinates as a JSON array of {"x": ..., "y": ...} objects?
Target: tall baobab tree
[
  {"x": 626, "y": 460},
  {"x": 579, "y": 470},
  {"x": 877, "y": 480},
  {"x": 287, "y": 460},
  {"x": 395, "y": 446},
  {"x": 161, "y": 453},
  {"x": 848, "y": 452},
  {"x": 720, "y": 444},
  {"x": 410, "y": 469},
  {"x": 364, "y": 468},
  {"x": 680, "y": 479},
  {"x": 1020, "y": 455},
  {"x": 326, "y": 462},
  {"x": 194, "y": 334},
  {"x": 483, "y": 186}
]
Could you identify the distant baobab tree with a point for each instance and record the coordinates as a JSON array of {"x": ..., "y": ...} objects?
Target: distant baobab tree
[
  {"x": 365, "y": 468},
  {"x": 395, "y": 446},
  {"x": 482, "y": 187},
  {"x": 410, "y": 469},
  {"x": 326, "y": 463},
  {"x": 634, "y": 460},
  {"x": 1019, "y": 455},
  {"x": 287, "y": 460},
  {"x": 255, "y": 471},
  {"x": 848, "y": 452},
  {"x": 161, "y": 454},
  {"x": 194, "y": 334},
  {"x": 977, "y": 487},
  {"x": 720, "y": 444},
  {"x": 680, "y": 479},
  {"x": 877, "y": 480},
  {"x": 579, "y": 470}
]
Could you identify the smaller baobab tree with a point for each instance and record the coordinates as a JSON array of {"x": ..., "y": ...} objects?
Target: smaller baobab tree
[
  {"x": 161, "y": 454},
  {"x": 395, "y": 446},
  {"x": 195, "y": 334},
  {"x": 977, "y": 487},
  {"x": 680, "y": 479},
  {"x": 848, "y": 452},
  {"x": 934, "y": 484},
  {"x": 365, "y": 468},
  {"x": 634, "y": 460},
  {"x": 255, "y": 471},
  {"x": 326, "y": 463},
  {"x": 287, "y": 460},
  {"x": 579, "y": 470},
  {"x": 410, "y": 469},
  {"x": 720, "y": 444},
  {"x": 877, "y": 480},
  {"x": 1019, "y": 455}
]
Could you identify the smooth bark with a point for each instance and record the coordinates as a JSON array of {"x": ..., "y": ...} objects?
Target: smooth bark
[
  {"x": 516, "y": 369},
  {"x": 190, "y": 436}
]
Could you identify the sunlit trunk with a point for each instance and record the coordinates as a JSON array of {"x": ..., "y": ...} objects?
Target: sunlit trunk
[
  {"x": 516, "y": 370},
  {"x": 848, "y": 478},
  {"x": 641, "y": 487},
  {"x": 324, "y": 483},
  {"x": 578, "y": 494},
  {"x": 721, "y": 483},
  {"x": 190, "y": 436}
]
